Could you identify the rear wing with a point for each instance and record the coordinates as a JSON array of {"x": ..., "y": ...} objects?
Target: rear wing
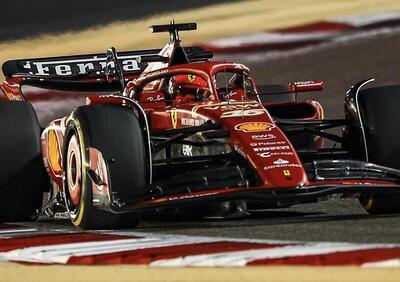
[{"x": 92, "y": 65}]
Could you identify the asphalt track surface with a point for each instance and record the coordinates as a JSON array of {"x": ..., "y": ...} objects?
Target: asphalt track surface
[{"x": 339, "y": 66}]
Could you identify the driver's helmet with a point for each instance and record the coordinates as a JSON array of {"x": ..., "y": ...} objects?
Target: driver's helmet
[{"x": 189, "y": 84}]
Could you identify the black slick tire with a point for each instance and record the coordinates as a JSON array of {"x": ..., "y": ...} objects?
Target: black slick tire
[
  {"x": 116, "y": 133},
  {"x": 23, "y": 176}
]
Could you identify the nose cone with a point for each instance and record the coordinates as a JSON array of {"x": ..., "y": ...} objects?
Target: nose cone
[
  {"x": 255, "y": 136},
  {"x": 270, "y": 153}
]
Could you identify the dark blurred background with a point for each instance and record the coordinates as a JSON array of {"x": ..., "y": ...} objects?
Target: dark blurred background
[{"x": 27, "y": 18}]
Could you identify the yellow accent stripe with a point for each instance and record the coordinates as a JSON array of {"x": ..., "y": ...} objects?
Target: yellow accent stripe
[{"x": 84, "y": 191}]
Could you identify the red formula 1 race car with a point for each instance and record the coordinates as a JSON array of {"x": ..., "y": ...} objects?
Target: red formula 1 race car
[{"x": 170, "y": 131}]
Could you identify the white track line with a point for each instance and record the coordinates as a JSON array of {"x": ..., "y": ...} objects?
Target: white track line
[
  {"x": 383, "y": 263},
  {"x": 61, "y": 253},
  {"x": 363, "y": 20},
  {"x": 12, "y": 231},
  {"x": 242, "y": 258}
]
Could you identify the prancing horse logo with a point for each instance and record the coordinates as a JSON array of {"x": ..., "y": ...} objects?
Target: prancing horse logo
[{"x": 191, "y": 77}]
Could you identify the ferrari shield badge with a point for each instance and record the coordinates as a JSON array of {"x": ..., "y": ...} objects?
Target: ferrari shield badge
[
  {"x": 174, "y": 118},
  {"x": 191, "y": 77}
]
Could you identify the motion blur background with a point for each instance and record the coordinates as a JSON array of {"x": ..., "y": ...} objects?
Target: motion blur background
[{"x": 46, "y": 28}]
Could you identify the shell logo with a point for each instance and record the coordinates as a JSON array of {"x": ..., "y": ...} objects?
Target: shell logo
[{"x": 254, "y": 126}]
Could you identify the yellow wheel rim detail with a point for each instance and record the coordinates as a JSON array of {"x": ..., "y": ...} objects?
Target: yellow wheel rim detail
[{"x": 78, "y": 220}]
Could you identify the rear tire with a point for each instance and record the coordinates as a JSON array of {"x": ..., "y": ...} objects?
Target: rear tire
[
  {"x": 115, "y": 132},
  {"x": 23, "y": 178}
]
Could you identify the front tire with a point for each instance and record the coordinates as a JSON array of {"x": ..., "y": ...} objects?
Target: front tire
[
  {"x": 375, "y": 203},
  {"x": 115, "y": 132},
  {"x": 371, "y": 135}
]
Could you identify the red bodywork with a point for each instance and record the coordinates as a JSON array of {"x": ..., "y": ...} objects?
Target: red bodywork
[{"x": 253, "y": 133}]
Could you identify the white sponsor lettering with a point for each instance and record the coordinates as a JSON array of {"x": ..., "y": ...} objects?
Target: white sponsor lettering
[
  {"x": 63, "y": 70},
  {"x": 41, "y": 70},
  {"x": 130, "y": 65},
  {"x": 155, "y": 99},
  {"x": 281, "y": 166},
  {"x": 192, "y": 122},
  {"x": 83, "y": 68},
  {"x": 103, "y": 65},
  {"x": 304, "y": 82},
  {"x": 78, "y": 66},
  {"x": 263, "y": 136},
  {"x": 270, "y": 154},
  {"x": 242, "y": 113},
  {"x": 274, "y": 148},
  {"x": 187, "y": 150},
  {"x": 254, "y": 144}
]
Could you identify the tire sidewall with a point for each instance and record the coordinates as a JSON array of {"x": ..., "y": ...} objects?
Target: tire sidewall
[
  {"x": 78, "y": 216},
  {"x": 86, "y": 216}
]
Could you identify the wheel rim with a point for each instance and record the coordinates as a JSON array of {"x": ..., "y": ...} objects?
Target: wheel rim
[
  {"x": 74, "y": 172},
  {"x": 367, "y": 201}
]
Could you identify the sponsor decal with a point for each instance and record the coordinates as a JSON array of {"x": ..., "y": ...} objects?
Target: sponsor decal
[
  {"x": 174, "y": 118},
  {"x": 243, "y": 113},
  {"x": 254, "y": 126},
  {"x": 280, "y": 161},
  {"x": 304, "y": 82},
  {"x": 187, "y": 150},
  {"x": 79, "y": 66},
  {"x": 155, "y": 99},
  {"x": 270, "y": 154},
  {"x": 192, "y": 122},
  {"x": 281, "y": 166},
  {"x": 191, "y": 77},
  {"x": 263, "y": 136},
  {"x": 231, "y": 107},
  {"x": 287, "y": 173},
  {"x": 256, "y": 144},
  {"x": 273, "y": 148},
  {"x": 228, "y": 106}
]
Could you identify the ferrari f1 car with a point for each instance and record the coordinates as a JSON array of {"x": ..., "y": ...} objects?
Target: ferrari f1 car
[{"x": 171, "y": 131}]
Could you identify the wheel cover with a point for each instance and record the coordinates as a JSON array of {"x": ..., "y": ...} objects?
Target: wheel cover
[{"x": 74, "y": 171}]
